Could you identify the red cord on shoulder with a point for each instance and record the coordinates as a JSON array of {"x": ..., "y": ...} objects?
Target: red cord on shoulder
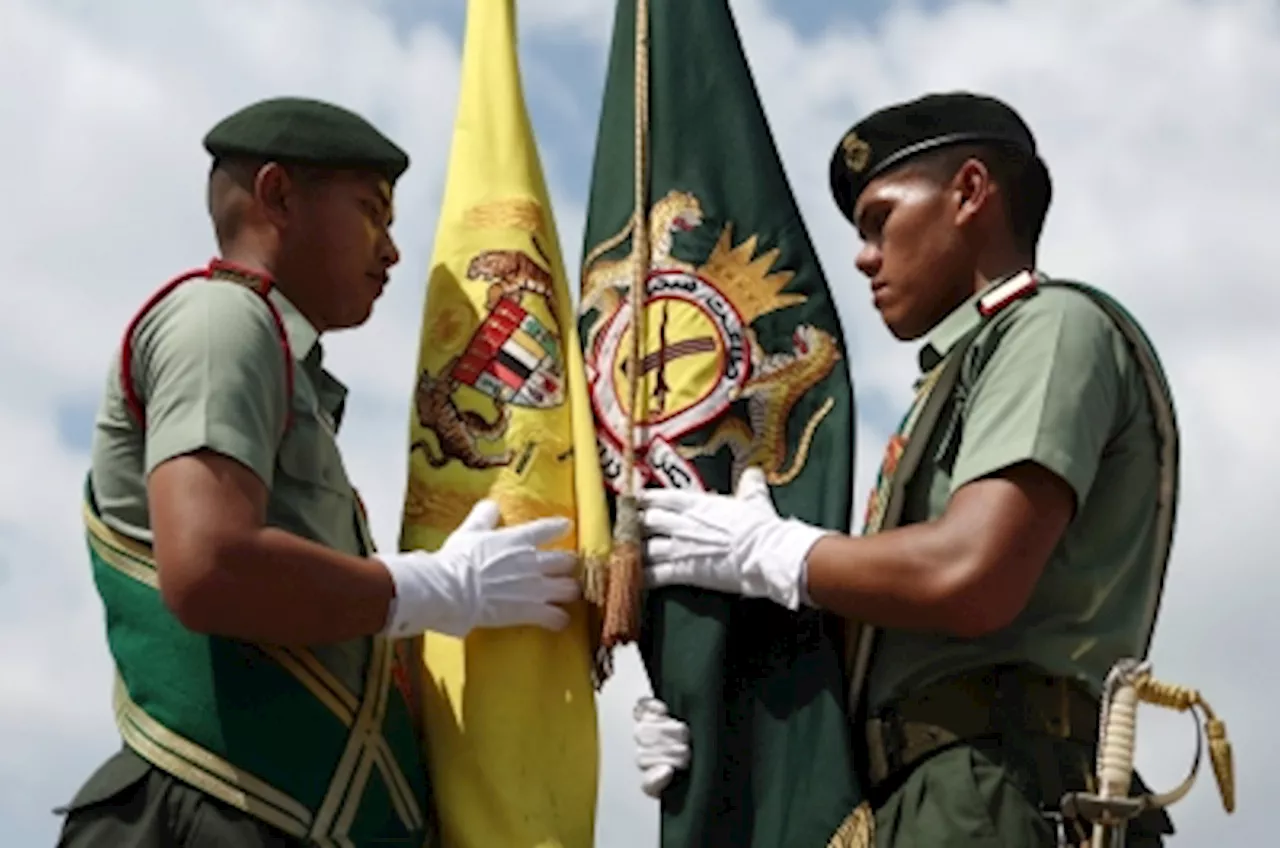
[{"x": 257, "y": 282}]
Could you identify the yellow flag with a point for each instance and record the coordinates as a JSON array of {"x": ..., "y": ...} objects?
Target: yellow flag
[{"x": 501, "y": 411}]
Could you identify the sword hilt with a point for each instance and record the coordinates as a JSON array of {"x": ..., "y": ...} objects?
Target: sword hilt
[{"x": 1112, "y": 807}]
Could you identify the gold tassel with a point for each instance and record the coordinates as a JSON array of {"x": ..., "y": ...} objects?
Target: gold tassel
[
  {"x": 595, "y": 578},
  {"x": 1183, "y": 698},
  {"x": 626, "y": 579},
  {"x": 1223, "y": 765}
]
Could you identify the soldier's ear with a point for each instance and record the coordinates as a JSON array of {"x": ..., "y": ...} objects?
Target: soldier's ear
[
  {"x": 275, "y": 191},
  {"x": 973, "y": 187}
]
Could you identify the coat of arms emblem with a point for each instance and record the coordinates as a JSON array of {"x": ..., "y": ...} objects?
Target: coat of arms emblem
[{"x": 704, "y": 354}]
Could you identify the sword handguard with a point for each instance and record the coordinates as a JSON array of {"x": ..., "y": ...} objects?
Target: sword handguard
[{"x": 1111, "y": 808}]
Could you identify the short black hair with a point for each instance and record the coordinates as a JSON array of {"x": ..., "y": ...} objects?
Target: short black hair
[
  {"x": 1022, "y": 187},
  {"x": 227, "y": 172}
]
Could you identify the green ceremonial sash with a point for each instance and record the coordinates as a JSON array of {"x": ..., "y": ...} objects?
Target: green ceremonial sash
[{"x": 266, "y": 729}]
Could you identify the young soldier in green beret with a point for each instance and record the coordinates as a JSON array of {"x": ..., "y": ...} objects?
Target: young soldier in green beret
[
  {"x": 1016, "y": 541},
  {"x": 260, "y": 693}
]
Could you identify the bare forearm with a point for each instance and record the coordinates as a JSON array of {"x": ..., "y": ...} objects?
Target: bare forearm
[
  {"x": 272, "y": 586},
  {"x": 910, "y": 578},
  {"x": 968, "y": 573}
]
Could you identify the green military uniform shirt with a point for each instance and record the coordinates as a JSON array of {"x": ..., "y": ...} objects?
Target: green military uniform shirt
[
  {"x": 209, "y": 367},
  {"x": 1049, "y": 380}
]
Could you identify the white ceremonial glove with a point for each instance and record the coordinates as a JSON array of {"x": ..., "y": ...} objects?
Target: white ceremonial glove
[
  {"x": 738, "y": 544},
  {"x": 662, "y": 745},
  {"x": 483, "y": 577}
]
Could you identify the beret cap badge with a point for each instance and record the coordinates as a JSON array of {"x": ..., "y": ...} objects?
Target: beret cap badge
[
  {"x": 857, "y": 153},
  {"x": 900, "y": 132}
]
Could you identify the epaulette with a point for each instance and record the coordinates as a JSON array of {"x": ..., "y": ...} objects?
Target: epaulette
[{"x": 1020, "y": 285}]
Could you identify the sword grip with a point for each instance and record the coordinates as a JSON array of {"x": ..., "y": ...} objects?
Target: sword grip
[{"x": 1115, "y": 753}]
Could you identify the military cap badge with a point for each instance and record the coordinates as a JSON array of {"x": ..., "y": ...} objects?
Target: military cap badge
[{"x": 857, "y": 153}]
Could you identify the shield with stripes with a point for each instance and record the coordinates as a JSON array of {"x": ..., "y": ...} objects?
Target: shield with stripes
[{"x": 514, "y": 358}]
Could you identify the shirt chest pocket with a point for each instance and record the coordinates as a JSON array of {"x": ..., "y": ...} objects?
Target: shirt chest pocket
[
  {"x": 311, "y": 482},
  {"x": 312, "y": 495}
]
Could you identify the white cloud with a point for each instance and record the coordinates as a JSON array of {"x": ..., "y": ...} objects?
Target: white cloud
[
  {"x": 584, "y": 20},
  {"x": 1157, "y": 119}
]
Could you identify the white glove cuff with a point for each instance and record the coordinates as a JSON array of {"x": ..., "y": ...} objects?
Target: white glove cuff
[
  {"x": 431, "y": 594},
  {"x": 392, "y": 623},
  {"x": 794, "y": 541}
]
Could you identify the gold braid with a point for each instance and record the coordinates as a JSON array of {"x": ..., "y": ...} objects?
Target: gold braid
[
  {"x": 625, "y": 575},
  {"x": 1182, "y": 699}
]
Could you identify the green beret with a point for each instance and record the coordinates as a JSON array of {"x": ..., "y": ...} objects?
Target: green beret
[
  {"x": 891, "y": 136},
  {"x": 310, "y": 132}
]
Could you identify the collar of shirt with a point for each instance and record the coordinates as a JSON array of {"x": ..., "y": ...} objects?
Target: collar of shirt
[
  {"x": 304, "y": 341},
  {"x": 951, "y": 329}
]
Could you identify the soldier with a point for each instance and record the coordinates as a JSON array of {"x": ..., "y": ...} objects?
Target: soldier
[
  {"x": 260, "y": 693},
  {"x": 1018, "y": 551}
]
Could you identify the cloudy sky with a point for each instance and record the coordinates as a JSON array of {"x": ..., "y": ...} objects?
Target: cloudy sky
[{"x": 1158, "y": 118}]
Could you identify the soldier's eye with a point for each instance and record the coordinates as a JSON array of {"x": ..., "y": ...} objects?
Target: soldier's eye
[
  {"x": 375, "y": 213},
  {"x": 873, "y": 222}
]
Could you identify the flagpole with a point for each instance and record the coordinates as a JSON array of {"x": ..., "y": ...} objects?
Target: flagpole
[{"x": 626, "y": 576}]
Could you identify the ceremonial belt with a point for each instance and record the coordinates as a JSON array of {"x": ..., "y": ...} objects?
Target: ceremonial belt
[{"x": 984, "y": 702}]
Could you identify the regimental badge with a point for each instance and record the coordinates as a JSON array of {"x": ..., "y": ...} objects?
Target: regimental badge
[
  {"x": 702, "y": 354},
  {"x": 857, "y": 153}
]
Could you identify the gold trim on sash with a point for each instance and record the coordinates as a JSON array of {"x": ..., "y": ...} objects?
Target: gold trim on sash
[
  {"x": 324, "y": 678},
  {"x": 122, "y": 554},
  {"x": 206, "y": 770},
  {"x": 366, "y": 746},
  {"x": 398, "y": 790},
  {"x": 308, "y": 670},
  {"x": 292, "y": 662},
  {"x": 359, "y": 780},
  {"x": 361, "y": 730}
]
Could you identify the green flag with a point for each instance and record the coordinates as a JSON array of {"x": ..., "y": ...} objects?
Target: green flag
[{"x": 742, "y": 363}]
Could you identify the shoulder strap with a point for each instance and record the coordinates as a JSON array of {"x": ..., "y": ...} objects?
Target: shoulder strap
[
  {"x": 922, "y": 427},
  {"x": 1160, "y": 397},
  {"x": 259, "y": 284},
  {"x": 860, "y": 638}
]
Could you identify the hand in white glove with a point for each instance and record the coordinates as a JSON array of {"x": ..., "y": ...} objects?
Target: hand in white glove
[
  {"x": 733, "y": 544},
  {"x": 483, "y": 577},
  {"x": 662, "y": 745}
]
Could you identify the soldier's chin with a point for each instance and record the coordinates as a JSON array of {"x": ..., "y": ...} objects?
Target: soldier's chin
[
  {"x": 356, "y": 316},
  {"x": 902, "y": 327}
]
